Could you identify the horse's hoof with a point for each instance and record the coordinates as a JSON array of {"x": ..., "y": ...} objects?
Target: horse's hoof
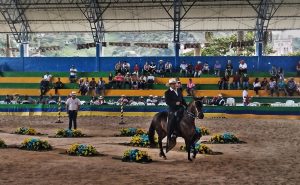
[
  {"x": 194, "y": 156},
  {"x": 165, "y": 158},
  {"x": 190, "y": 159}
]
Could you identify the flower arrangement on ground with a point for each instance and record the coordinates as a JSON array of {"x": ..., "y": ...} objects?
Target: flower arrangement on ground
[
  {"x": 35, "y": 144},
  {"x": 26, "y": 131},
  {"x": 69, "y": 133},
  {"x": 132, "y": 131},
  {"x": 224, "y": 138},
  {"x": 200, "y": 148},
  {"x": 82, "y": 150},
  {"x": 136, "y": 155},
  {"x": 141, "y": 140},
  {"x": 204, "y": 131},
  {"x": 2, "y": 144}
]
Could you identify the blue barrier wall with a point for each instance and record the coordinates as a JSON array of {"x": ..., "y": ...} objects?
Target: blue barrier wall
[{"x": 89, "y": 64}]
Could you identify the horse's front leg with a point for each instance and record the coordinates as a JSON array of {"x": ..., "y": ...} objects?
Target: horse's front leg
[
  {"x": 161, "y": 154},
  {"x": 188, "y": 148},
  {"x": 194, "y": 151}
]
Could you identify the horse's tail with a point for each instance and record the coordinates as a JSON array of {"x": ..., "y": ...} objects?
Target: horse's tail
[{"x": 151, "y": 133}]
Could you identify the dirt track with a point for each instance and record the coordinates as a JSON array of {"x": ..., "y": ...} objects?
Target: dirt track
[{"x": 271, "y": 155}]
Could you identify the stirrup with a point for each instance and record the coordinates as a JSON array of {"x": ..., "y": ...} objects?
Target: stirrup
[{"x": 173, "y": 135}]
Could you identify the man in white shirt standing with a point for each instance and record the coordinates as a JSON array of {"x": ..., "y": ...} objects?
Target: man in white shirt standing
[{"x": 72, "y": 107}]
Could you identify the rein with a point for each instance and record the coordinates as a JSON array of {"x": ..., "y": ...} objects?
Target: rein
[{"x": 192, "y": 115}]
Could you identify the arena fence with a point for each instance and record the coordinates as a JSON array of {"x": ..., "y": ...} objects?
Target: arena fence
[{"x": 108, "y": 110}]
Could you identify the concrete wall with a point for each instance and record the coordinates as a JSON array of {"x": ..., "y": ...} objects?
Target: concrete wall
[{"x": 89, "y": 64}]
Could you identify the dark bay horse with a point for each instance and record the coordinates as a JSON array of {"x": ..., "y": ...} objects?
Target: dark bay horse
[{"x": 186, "y": 127}]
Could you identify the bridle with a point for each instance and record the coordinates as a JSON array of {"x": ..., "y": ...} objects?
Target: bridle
[{"x": 190, "y": 114}]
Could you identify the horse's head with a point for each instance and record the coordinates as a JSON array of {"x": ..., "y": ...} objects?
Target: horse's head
[{"x": 198, "y": 104}]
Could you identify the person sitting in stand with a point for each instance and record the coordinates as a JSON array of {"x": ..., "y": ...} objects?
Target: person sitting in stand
[
  {"x": 136, "y": 69},
  {"x": 183, "y": 68},
  {"x": 168, "y": 68},
  {"x": 118, "y": 68},
  {"x": 83, "y": 87},
  {"x": 236, "y": 80},
  {"x": 205, "y": 68},
  {"x": 242, "y": 67},
  {"x": 220, "y": 101},
  {"x": 100, "y": 101},
  {"x": 127, "y": 81},
  {"x": 281, "y": 87},
  {"x": 143, "y": 82},
  {"x": 28, "y": 100},
  {"x": 7, "y": 99},
  {"x": 150, "y": 81},
  {"x": 217, "y": 68},
  {"x": 161, "y": 68},
  {"x": 141, "y": 101},
  {"x": 111, "y": 82},
  {"x": 198, "y": 69},
  {"x": 92, "y": 87},
  {"x": 280, "y": 73},
  {"x": 51, "y": 101},
  {"x": 48, "y": 77},
  {"x": 44, "y": 86},
  {"x": 152, "y": 68},
  {"x": 245, "y": 81},
  {"x": 189, "y": 70},
  {"x": 146, "y": 69},
  {"x": 123, "y": 100},
  {"x": 73, "y": 74},
  {"x": 229, "y": 68},
  {"x": 58, "y": 85},
  {"x": 291, "y": 87},
  {"x": 124, "y": 68},
  {"x": 150, "y": 101},
  {"x": 273, "y": 72},
  {"x": 162, "y": 101},
  {"x": 264, "y": 84},
  {"x": 256, "y": 86},
  {"x": 273, "y": 86},
  {"x": 134, "y": 82},
  {"x": 190, "y": 87},
  {"x": 100, "y": 89},
  {"x": 221, "y": 83},
  {"x": 298, "y": 68},
  {"x": 119, "y": 80},
  {"x": 298, "y": 89}
]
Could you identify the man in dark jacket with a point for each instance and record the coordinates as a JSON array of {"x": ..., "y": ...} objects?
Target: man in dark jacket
[{"x": 176, "y": 103}]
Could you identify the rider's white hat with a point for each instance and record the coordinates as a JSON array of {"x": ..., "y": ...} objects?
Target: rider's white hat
[{"x": 172, "y": 81}]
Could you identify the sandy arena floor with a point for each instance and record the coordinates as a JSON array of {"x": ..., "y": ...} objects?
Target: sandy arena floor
[{"x": 270, "y": 156}]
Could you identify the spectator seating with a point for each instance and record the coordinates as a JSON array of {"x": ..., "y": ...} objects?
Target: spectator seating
[{"x": 28, "y": 83}]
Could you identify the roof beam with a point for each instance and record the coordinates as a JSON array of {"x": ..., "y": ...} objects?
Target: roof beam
[{"x": 14, "y": 14}]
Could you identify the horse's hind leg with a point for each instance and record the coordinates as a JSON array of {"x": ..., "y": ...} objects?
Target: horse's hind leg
[{"x": 161, "y": 154}]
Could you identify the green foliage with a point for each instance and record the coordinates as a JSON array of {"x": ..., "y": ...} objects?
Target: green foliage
[{"x": 296, "y": 53}]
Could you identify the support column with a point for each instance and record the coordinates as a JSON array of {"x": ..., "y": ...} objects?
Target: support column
[
  {"x": 197, "y": 51},
  {"x": 98, "y": 55},
  {"x": 176, "y": 49},
  {"x": 259, "y": 52}
]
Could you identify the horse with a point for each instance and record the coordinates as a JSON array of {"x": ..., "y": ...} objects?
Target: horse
[{"x": 186, "y": 128}]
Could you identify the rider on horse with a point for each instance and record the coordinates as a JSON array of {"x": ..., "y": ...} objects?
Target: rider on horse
[{"x": 177, "y": 104}]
